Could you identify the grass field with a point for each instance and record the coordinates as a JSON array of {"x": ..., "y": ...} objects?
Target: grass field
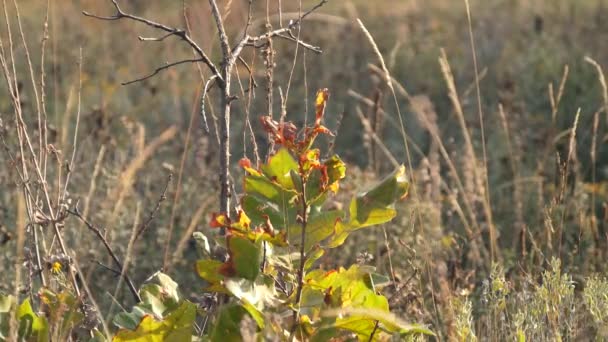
[{"x": 503, "y": 235}]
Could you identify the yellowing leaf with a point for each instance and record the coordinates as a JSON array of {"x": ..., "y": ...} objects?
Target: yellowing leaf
[
  {"x": 322, "y": 97},
  {"x": 177, "y": 326}
]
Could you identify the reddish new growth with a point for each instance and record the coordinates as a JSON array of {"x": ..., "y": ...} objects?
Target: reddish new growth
[{"x": 286, "y": 133}]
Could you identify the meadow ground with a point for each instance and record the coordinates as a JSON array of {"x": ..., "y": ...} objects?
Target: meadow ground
[{"x": 504, "y": 233}]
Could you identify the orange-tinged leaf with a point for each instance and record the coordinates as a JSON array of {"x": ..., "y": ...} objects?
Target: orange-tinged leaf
[
  {"x": 322, "y": 129},
  {"x": 219, "y": 220},
  {"x": 243, "y": 221},
  {"x": 245, "y": 163},
  {"x": 321, "y": 101}
]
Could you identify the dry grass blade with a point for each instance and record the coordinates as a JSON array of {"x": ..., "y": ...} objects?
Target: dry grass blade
[
  {"x": 413, "y": 186},
  {"x": 602, "y": 79},
  {"x": 487, "y": 204}
]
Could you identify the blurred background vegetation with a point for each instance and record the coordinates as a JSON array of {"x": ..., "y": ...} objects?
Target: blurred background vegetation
[{"x": 438, "y": 249}]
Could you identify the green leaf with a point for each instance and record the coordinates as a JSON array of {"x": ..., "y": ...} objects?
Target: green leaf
[
  {"x": 336, "y": 169},
  {"x": 98, "y": 336},
  {"x": 258, "y": 209},
  {"x": 373, "y": 207},
  {"x": 202, "y": 244},
  {"x": 245, "y": 257},
  {"x": 210, "y": 270},
  {"x": 319, "y": 227},
  {"x": 228, "y": 324},
  {"x": 378, "y": 281},
  {"x": 32, "y": 326},
  {"x": 160, "y": 294},
  {"x": 346, "y": 287},
  {"x": 7, "y": 305},
  {"x": 362, "y": 322},
  {"x": 62, "y": 311},
  {"x": 260, "y": 293},
  {"x": 279, "y": 167},
  {"x": 347, "y": 301},
  {"x": 256, "y": 314},
  {"x": 268, "y": 190},
  {"x": 376, "y": 205},
  {"x": 317, "y": 187},
  {"x": 129, "y": 320},
  {"x": 177, "y": 326},
  {"x": 313, "y": 257}
]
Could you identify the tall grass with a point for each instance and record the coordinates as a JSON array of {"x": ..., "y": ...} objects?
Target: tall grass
[{"x": 503, "y": 237}]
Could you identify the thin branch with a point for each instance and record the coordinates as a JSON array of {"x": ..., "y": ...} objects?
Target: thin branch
[
  {"x": 249, "y": 18},
  {"x": 117, "y": 273},
  {"x": 164, "y": 67},
  {"x": 173, "y": 31},
  {"x": 205, "y": 90},
  {"x": 153, "y": 39},
  {"x": 305, "y": 45},
  {"x": 254, "y": 84},
  {"x": 142, "y": 228},
  {"x": 288, "y": 28},
  {"x": 97, "y": 232},
  {"x": 371, "y": 336},
  {"x": 215, "y": 11}
]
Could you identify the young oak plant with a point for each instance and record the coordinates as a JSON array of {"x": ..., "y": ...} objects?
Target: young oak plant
[
  {"x": 281, "y": 228},
  {"x": 270, "y": 286}
]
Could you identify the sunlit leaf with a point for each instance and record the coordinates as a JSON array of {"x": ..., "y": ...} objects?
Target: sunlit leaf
[
  {"x": 373, "y": 207},
  {"x": 259, "y": 293},
  {"x": 209, "y": 270},
  {"x": 324, "y": 179},
  {"x": 318, "y": 228},
  {"x": 63, "y": 310},
  {"x": 260, "y": 210},
  {"x": 320, "y": 102},
  {"x": 315, "y": 255},
  {"x": 245, "y": 257},
  {"x": 228, "y": 324},
  {"x": 278, "y": 168},
  {"x": 246, "y": 164},
  {"x": 31, "y": 326},
  {"x": 362, "y": 322},
  {"x": 177, "y": 326},
  {"x": 219, "y": 220},
  {"x": 7, "y": 305}
]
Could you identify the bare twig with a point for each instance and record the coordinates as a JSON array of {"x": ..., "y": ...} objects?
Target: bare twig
[
  {"x": 222, "y": 75},
  {"x": 305, "y": 45},
  {"x": 180, "y": 33},
  {"x": 70, "y": 166},
  {"x": 249, "y": 18},
  {"x": 155, "y": 39},
  {"x": 203, "y": 96},
  {"x": 142, "y": 228},
  {"x": 117, "y": 273},
  {"x": 159, "y": 69},
  {"x": 76, "y": 212}
]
